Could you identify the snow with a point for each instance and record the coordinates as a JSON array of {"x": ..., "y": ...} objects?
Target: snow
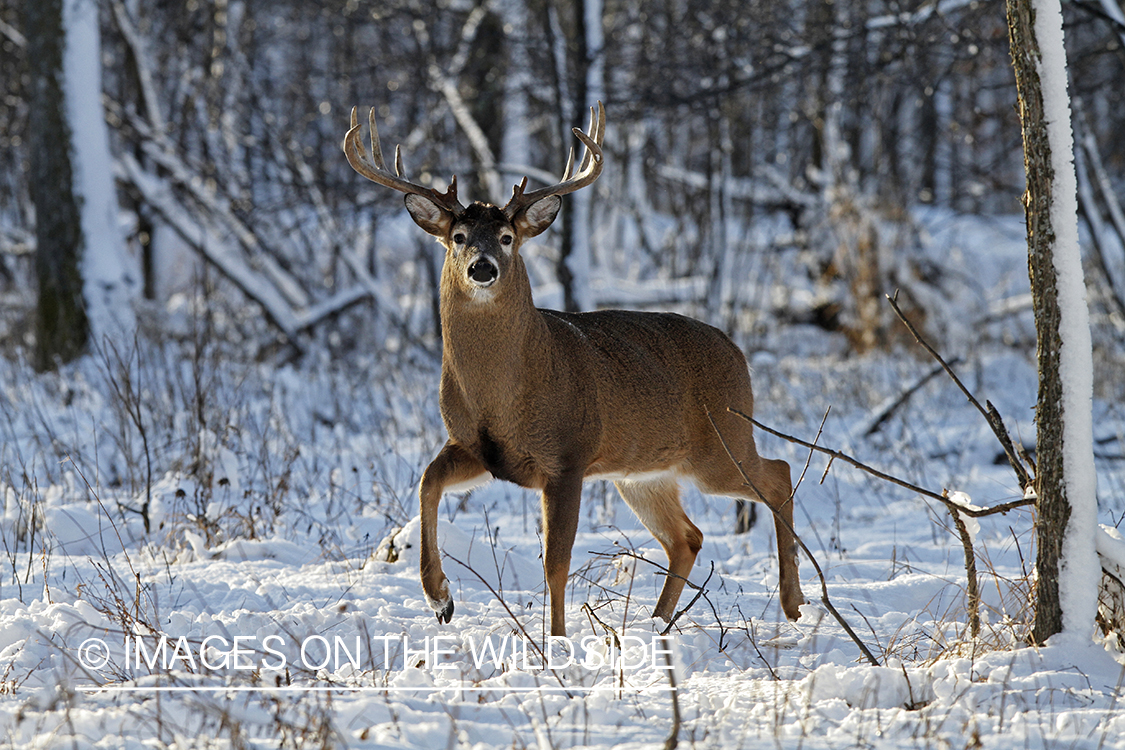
[
  {"x": 972, "y": 525},
  {"x": 288, "y": 562},
  {"x": 1077, "y": 588},
  {"x": 1111, "y": 548}
]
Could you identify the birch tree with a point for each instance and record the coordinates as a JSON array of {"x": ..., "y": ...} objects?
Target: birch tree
[
  {"x": 1066, "y": 559},
  {"x": 61, "y": 325},
  {"x": 84, "y": 283},
  {"x": 109, "y": 279}
]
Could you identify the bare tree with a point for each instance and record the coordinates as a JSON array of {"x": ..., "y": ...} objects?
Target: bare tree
[{"x": 61, "y": 325}]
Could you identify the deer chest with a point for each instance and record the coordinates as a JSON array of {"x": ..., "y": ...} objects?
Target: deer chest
[{"x": 506, "y": 460}]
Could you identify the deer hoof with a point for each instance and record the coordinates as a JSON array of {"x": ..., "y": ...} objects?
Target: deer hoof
[{"x": 445, "y": 614}]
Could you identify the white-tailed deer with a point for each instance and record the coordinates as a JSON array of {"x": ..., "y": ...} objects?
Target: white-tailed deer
[{"x": 548, "y": 399}]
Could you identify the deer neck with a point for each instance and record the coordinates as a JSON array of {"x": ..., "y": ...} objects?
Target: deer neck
[{"x": 492, "y": 345}]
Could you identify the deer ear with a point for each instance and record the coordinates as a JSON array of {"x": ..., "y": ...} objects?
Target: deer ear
[
  {"x": 538, "y": 216},
  {"x": 429, "y": 215}
]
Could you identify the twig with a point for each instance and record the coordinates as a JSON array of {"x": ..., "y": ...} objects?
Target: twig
[
  {"x": 700, "y": 588},
  {"x": 808, "y": 461},
  {"x": 990, "y": 414},
  {"x": 674, "y": 736},
  {"x": 690, "y": 604},
  {"x": 867, "y": 622},
  {"x": 607, "y": 628},
  {"x": 892, "y": 407},
  {"x": 970, "y": 566},
  {"x": 642, "y": 558},
  {"x": 808, "y": 553},
  {"x": 515, "y": 619},
  {"x": 835, "y": 454},
  {"x": 750, "y": 636},
  {"x": 955, "y": 510}
]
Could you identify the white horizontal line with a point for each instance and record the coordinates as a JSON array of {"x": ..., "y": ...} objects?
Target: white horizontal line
[{"x": 388, "y": 689}]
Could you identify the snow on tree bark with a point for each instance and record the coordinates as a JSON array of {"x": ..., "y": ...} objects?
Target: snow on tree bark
[
  {"x": 1066, "y": 561},
  {"x": 61, "y": 325},
  {"x": 109, "y": 279}
]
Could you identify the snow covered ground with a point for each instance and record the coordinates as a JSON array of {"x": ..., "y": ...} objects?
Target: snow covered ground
[{"x": 274, "y": 599}]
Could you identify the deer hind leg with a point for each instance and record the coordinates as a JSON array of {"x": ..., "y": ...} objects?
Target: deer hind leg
[
  {"x": 770, "y": 483},
  {"x": 452, "y": 467},
  {"x": 562, "y": 498},
  {"x": 657, "y": 504},
  {"x": 773, "y": 480}
]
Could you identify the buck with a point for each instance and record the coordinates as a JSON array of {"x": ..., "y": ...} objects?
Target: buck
[{"x": 548, "y": 399}]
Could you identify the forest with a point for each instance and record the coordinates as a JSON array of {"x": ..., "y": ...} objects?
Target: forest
[{"x": 224, "y": 436}]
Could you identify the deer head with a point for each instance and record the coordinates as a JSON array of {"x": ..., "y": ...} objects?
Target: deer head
[{"x": 481, "y": 241}]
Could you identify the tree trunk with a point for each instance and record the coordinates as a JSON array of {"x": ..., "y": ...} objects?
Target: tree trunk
[
  {"x": 1053, "y": 510},
  {"x": 1053, "y": 483},
  {"x": 61, "y": 325},
  {"x": 574, "y": 258}
]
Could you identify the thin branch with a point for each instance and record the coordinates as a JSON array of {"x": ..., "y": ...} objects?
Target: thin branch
[
  {"x": 673, "y": 739},
  {"x": 955, "y": 509},
  {"x": 511, "y": 614},
  {"x": 690, "y": 604},
  {"x": 990, "y": 414},
  {"x": 642, "y": 558},
  {"x": 590, "y": 613},
  {"x": 750, "y": 636},
  {"x": 885, "y": 413},
  {"x": 973, "y": 588},
  {"x": 808, "y": 553},
  {"x": 835, "y": 454}
]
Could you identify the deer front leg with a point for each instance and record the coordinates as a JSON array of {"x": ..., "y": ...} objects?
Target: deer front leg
[
  {"x": 562, "y": 499},
  {"x": 453, "y": 466}
]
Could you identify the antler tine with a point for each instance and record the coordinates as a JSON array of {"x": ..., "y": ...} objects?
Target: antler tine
[
  {"x": 592, "y": 130},
  {"x": 568, "y": 170},
  {"x": 588, "y": 171},
  {"x": 375, "y": 169},
  {"x": 376, "y": 147}
]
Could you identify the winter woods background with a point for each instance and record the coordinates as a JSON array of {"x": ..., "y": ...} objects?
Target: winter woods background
[
  {"x": 250, "y": 457},
  {"x": 765, "y": 159}
]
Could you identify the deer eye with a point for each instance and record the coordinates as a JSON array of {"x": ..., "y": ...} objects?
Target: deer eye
[
  {"x": 506, "y": 239},
  {"x": 459, "y": 239}
]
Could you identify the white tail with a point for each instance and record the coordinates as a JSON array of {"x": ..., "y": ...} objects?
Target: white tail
[{"x": 547, "y": 399}]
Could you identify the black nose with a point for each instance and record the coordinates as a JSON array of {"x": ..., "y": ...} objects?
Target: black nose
[{"x": 483, "y": 271}]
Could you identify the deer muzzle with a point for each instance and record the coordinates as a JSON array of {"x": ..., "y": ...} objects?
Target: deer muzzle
[{"x": 483, "y": 271}]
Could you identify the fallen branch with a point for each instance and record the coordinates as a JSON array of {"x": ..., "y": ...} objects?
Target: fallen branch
[
  {"x": 897, "y": 403},
  {"x": 209, "y": 242}
]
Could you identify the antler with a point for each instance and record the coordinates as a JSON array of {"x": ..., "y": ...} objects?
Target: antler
[
  {"x": 375, "y": 169},
  {"x": 588, "y": 171}
]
